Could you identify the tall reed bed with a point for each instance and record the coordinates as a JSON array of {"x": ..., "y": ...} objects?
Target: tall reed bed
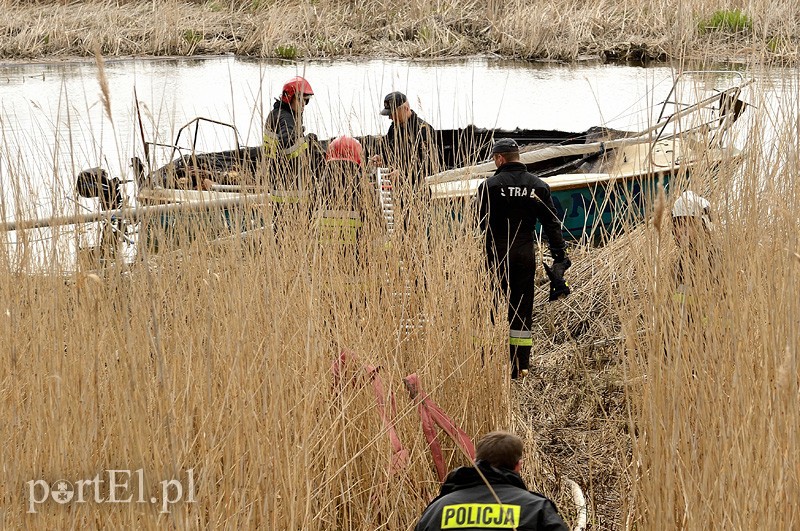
[
  {"x": 714, "y": 403},
  {"x": 670, "y": 411},
  {"x": 291, "y": 29},
  {"x": 217, "y": 358}
]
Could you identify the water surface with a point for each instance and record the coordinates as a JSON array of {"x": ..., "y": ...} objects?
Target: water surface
[{"x": 53, "y": 122}]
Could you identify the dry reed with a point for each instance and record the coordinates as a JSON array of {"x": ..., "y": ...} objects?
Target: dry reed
[
  {"x": 678, "y": 413},
  {"x": 566, "y": 30},
  {"x": 217, "y": 359},
  {"x": 716, "y": 405}
]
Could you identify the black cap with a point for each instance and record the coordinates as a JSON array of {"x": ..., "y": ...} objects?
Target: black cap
[
  {"x": 505, "y": 145},
  {"x": 392, "y": 101}
]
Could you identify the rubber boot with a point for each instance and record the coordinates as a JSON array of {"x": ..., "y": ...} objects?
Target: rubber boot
[{"x": 520, "y": 361}]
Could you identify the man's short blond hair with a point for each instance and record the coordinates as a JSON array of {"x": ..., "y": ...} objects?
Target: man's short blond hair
[{"x": 500, "y": 449}]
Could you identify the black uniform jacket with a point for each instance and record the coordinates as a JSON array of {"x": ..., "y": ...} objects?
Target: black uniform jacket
[
  {"x": 411, "y": 147},
  {"x": 509, "y": 204},
  {"x": 289, "y": 152},
  {"x": 465, "y": 502},
  {"x": 281, "y": 134}
]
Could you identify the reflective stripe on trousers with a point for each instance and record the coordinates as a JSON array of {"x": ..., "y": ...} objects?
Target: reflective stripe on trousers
[
  {"x": 520, "y": 338},
  {"x": 288, "y": 196}
]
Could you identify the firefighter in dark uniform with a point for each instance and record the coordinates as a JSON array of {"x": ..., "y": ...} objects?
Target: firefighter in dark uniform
[
  {"x": 466, "y": 501},
  {"x": 696, "y": 261},
  {"x": 290, "y": 156},
  {"x": 339, "y": 196},
  {"x": 691, "y": 227},
  {"x": 509, "y": 204}
]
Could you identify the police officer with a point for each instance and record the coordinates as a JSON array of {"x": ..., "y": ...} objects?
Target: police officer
[
  {"x": 467, "y": 502},
  {"x": 509, "y": 204}
]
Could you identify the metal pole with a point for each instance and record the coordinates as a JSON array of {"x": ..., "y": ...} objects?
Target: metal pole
[{"x": 134, "y": 213}]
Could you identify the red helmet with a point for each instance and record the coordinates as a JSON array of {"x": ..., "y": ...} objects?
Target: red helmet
[
  {"x": 344, "y": 148},
  {"x": 295, "y": 85}
]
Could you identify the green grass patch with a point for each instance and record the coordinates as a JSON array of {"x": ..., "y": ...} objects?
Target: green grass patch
[
  {"x": 286, "y": 51},
  {"x": 729, "y": 21},
  {"x": 192, "y": 36},
  {"x": 778, "y": 44}
]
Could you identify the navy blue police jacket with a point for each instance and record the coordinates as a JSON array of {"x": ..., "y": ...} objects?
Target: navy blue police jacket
[{"x": 466, "y": 503}]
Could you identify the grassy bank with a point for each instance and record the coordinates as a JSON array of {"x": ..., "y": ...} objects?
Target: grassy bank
[{"x": 562, "y": 30}]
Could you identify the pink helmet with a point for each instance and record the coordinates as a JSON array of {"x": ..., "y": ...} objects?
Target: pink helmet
[
  {"x": 344, "y": 148},
  {"x": 295, "y": 85}
]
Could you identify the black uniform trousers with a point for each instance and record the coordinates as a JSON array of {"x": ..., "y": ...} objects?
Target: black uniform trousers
[{"x": 515, "y": 275}]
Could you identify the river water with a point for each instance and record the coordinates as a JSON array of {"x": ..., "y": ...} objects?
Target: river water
[
  {"x": 53, "y": 120},
  {"x": 54, "y": 124}
]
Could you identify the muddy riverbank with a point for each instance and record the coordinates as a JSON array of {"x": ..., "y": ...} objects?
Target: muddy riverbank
[{"x": 634, "y": 30}]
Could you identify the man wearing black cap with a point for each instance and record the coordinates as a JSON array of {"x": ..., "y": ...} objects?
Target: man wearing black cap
[
  {"x": 509, "y": 204},
  {"x": 410, "y": 146}
]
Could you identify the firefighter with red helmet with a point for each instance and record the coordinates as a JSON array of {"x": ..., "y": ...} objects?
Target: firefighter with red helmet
[
  {"x": 345, "y": 148},
  {"x": 339, "y": 191},
  {"x": 292, "y": 156}
]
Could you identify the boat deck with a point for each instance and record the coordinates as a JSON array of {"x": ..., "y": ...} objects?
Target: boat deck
[{"x": 630, "y": 162}]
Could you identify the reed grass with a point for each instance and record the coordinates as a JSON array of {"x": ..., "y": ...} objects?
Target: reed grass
[
  {"x": 217, "y": 358},
  {"x": 716, "y": 407},
  {"x": 682, "y": 416},
  {"x": 566, "y": 30}
]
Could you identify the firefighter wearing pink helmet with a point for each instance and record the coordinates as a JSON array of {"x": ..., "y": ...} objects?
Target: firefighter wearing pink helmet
[{"x": 338, "y": 199}]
